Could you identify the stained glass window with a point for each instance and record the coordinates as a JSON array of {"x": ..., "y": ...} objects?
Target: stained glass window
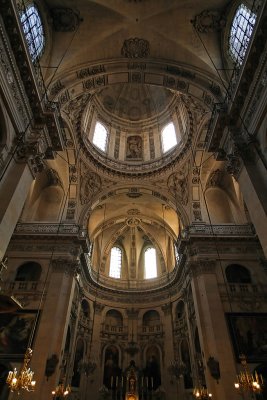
[
  {"x": 241, "y": 31},
  {"x": 33, "y": 30}
]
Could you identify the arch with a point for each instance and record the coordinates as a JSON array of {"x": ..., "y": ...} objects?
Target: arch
[
  {"x": 151, "y": 318},
  {"x": 112, "y": 368},
  {"x": 85, "y": 308},
  {"x": 29, "y": 271},
  {"x": 79, "y": 354},
  {"x": 180, "y": 310},
  {"x": 45, "y": 199},
  {"x": 219, "y": 206},
  {"x": 236, "y": 273},
  {"x": 152, "y": 371},
  {"x": 114, "y": 318},
  {"x": 185, "y": 357}
]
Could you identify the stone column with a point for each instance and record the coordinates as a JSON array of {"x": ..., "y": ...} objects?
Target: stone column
[
  {"x": 170, "y": 384},
  {"x": 14, "y": 188},
  {"x": 52, "y": 328},
  {"x": 13, "y": 192},
  {"x": 213, "y": 332},
  {"x": 249, "y": 170},
  {"x": 96, "y": 381}
]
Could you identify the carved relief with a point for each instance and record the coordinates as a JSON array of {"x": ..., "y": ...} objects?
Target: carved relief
[
  {"x": 91, "y": 184},
  {"x": 209, "y": 21},
  {"x": 65, "y": 19},
  {"x": 178, "y": 185},
  {"x": 135, "y": 48},
  {"x": 234, "y": 164},
  {"x": 31, "y": 153}
]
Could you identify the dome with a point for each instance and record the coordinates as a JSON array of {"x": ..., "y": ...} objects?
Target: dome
[
  {"x": 135, "y": 103},
  {"x": 133, "y": 229},
  {"x": 124, "y": 128}
]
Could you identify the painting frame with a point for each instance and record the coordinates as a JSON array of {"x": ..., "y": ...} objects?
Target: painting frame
[
  {"x": 248, "y": 332},
  {"x": 15, "y": 331}
]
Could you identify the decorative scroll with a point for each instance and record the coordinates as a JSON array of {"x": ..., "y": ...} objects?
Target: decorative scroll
[
  {"x": 91, "y": 184},
  {"x": 135, "y": 48}
]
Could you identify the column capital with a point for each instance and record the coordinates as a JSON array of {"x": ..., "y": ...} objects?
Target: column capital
[
  {"x": 31, "y": 153},
  {"x": 65, "y": 266},
  {"x": 167, "y": 308}
]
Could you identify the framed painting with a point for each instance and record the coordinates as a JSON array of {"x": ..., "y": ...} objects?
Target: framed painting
[
  {"x": 249, "y": 335},
  {"x": 15, "y": 331}
]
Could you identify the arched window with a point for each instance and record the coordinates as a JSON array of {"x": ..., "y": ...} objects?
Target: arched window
[
  {"x": 236, "y": 273},
  {"x": 33, "y": 29},
  {"x": 150, "y": 263},
  {"x": 115, "y": 263},
  {"x": 30, "y": 271},
  {"x": 241, "y": 31},
  {"x": 168, "y": 137},
  {"x": 100, "y": 136}
]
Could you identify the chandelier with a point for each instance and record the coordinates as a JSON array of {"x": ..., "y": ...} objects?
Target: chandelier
[
  {"x": 60, "y": 391},
  {"x": 202, "y": 393},
  {"x": 23, "y": 380},
  {"x": 247, "y": 381}
]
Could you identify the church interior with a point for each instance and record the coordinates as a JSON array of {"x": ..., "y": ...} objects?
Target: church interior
[{"x": 133, "y": 199}]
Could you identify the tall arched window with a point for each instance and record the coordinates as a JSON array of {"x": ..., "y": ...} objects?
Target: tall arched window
[
  {"x": 115, "y": 262},
  {"x": 241, "y": 31},
  {"x": 100, "y": 136},
  {"x": 33, "y": 29},
  {"x": 150, "y": 263},
  {"x": 168, "y": 137}
]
